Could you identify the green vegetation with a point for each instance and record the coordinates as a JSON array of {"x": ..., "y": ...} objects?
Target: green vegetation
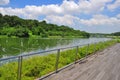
[
  {"x": 116, "y": 34},
  {"x": 37, "y": 66},
  {"x": 112, "y": 35},
  {"x": 15, "y": 26},
  {"x": 99, "y": 35}
]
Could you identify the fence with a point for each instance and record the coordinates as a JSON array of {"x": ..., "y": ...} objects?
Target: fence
[{"x": 19, "y": 59}]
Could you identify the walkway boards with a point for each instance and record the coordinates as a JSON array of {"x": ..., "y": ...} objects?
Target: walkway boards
[{"x": 104, "y": 65}]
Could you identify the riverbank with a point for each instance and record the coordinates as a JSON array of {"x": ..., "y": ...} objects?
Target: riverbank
[
  {"x": 38, "y": 66},
  {"x": 50, "y": 37}
]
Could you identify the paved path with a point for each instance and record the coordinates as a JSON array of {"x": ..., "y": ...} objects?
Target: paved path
[{"x": 104, "y": 65}]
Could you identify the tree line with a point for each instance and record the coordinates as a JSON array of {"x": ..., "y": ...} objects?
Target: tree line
[
  {"x": 15, "y": 26},
  {"x": 116, "y": 34}
]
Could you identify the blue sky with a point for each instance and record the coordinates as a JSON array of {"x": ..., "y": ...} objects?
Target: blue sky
[
  {"x": 95, "y": 16},
  {"x": 23, "y": 3}
]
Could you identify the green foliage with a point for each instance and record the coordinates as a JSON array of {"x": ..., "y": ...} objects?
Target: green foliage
[
  {"x": 37, "y": 66},
  {"x": 99, "y": 35},
  {"x": 116, "y": 34},
  {"x": 15, "y": 26}
]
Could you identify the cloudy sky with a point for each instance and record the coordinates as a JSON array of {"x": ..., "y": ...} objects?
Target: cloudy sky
[{"x": 97, "y": 16}]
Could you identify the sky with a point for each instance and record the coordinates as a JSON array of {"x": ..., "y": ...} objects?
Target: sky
[{"x": 94, "y": 16}]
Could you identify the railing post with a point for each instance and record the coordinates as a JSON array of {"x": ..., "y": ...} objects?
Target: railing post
[
  {"x": 76, "y": 54},
  {"x": 57, "y": 60},
  {"x": 19, "y": 67}
]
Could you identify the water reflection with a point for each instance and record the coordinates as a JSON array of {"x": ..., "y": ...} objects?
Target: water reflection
[{"x": 15, "y": 46}]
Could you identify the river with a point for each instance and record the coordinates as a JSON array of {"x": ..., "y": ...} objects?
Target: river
[{"x": 16, "y": 46}]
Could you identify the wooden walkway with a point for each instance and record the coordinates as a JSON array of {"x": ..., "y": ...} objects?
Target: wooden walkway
[{"x": 104, "y": 65}]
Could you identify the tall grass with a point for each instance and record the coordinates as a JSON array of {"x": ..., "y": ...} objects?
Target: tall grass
[{"x": 37, "y": 66}]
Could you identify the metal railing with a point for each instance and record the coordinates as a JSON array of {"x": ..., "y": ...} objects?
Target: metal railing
[{"x": 19, "y": 58}]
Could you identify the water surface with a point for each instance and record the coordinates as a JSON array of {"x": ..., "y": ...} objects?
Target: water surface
[{"x": 16, "y": 46}]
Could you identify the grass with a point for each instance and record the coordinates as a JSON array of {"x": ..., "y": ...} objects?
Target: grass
[
  {"x": 5, "y": 36},
  {"x": 37, "y": 66}
]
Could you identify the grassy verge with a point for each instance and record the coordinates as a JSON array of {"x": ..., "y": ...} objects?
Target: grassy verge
[{"x": 38, "y": 66}]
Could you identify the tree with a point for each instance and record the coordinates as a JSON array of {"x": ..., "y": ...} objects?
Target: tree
[
  {"x": 15, "y": 26},
  {"x": 116, "y": 34},
  {"x": 1, "y": 15}
]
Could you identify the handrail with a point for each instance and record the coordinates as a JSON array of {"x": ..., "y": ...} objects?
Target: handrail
[
  {"x": 35, "y": 53},
  {"x": 20, "y": 57}
]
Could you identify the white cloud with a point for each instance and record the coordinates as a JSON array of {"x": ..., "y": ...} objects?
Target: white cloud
[
  {"x": 92, "y": 6},
  {"x": 32, "y": 12},
  {"x": 118, "y": 16},
  {"x": 62, "y": 20},
  {"x": 70, "y": 7},
  {"x": 43, "y": 10},
  {"x": 115, "y": 5},
  {"x": 96, "y": 20},
  {"x": 98, "y": 23},
  {"x": 4, "y": 2},
  {"x": 101, "y": 20},
  {"x": 67, "y": 7},
  {"x": 11, "y": 11}
]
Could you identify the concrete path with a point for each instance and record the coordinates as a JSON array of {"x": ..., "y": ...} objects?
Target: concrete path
[{"x": 104, "y": 65}]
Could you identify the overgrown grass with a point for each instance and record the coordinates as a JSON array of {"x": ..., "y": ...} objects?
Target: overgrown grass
[{"x": 38, "y": 66}]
